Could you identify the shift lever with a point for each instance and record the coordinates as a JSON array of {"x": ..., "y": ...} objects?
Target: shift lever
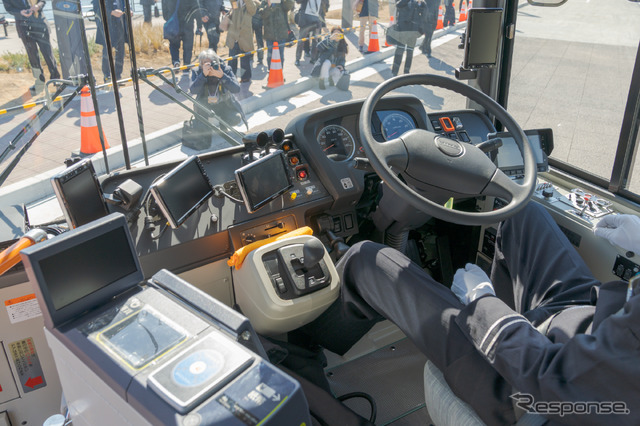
[{"x": 312, "y": 253}]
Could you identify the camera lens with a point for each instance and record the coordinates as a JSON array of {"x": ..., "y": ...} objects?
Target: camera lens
[{"x": 215, "y": 66}]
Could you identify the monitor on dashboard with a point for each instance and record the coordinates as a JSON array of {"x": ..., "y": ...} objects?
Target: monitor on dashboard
[
  {"x": 84, "y": 268},
  {"x": 79, "y": 194},
  {"x": 509, "y": 158},
  {"x": 263, "y": 180},
  {"x": 182, "y": 191}
]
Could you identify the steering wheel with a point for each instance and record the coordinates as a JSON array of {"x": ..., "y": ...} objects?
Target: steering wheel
[{"x": 430, "y": 162}]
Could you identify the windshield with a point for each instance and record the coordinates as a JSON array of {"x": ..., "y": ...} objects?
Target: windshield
[{"x": 571, "y": 72}]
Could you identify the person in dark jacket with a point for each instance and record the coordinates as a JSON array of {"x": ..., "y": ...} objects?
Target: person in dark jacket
[
  {"x": 559, "y": 336},
  {"x": 275, "y": 26},
  {"x": 449, "y": 14},
  {"x": 256, "y": 24},
  {"x": 429, "y": 22},
  {"x": 118, "y": 34},
  {"x": 408, "y": 24},
  {"x": 210, "y": 15},
  {"x": 310, "y": 20},
  {"x": 146, "y": 9},
  {"x": 188, "y": 12},
  {"x": 214, "y": 84},
  {"x": 332, "y": 52},
  {"x": 33, "y": 30}
]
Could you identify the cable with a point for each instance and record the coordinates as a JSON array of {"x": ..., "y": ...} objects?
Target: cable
[
  {"x": 220, "y": 190},
  {"x": 374, "y": 409}
]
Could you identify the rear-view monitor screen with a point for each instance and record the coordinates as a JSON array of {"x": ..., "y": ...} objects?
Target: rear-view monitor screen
[
  {"x": 263, "y": 181},
  {"x": 182, "y": 191},
  {"x": 82, "y": 197},
  {"x": 87, "y": 267}
]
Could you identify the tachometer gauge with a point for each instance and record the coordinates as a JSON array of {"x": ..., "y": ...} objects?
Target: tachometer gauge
[
  {"x": 336, "y": 142},
  {"x": 395, "y": 124}
]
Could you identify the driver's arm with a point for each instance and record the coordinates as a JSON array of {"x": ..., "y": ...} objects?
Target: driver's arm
[{"x": 602, "y": 366}]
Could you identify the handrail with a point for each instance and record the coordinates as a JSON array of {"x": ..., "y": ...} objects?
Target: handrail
[{"x": 10, "y": 256}]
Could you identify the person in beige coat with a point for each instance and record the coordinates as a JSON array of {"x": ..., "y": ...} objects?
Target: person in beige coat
[{"x": 240, "y": 36}]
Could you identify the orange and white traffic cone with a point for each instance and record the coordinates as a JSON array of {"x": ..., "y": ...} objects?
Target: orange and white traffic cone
[
  {"x": 275, "y": 73},
  {"x": 390, "y": 25},
  {"x": 89, "y": 136},
  {"x": 374, "y": 45},
  {"x": 463, "y": 12},
  {"x": 440, "y": 24}
]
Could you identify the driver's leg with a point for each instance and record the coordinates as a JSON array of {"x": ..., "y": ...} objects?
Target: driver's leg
[
  {"x": 535, "y": 259},
  {"x": 377, "y": 282}
]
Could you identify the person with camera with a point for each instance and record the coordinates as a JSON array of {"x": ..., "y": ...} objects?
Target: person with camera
[
  {"x": 214, "y": 85},
  {"x": 332, "y": 52}
]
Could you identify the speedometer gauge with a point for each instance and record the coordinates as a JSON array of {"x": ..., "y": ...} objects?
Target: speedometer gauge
[
  {"x": 336, "y": 142},
  {"x": 395, "y": 124}
]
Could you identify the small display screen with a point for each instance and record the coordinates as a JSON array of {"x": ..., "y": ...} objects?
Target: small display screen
[
  {"x": 509, "y": 158},
  {"x": 79, "y": 193},
  {"x": 182, "y": 191},
  {"x": 85, "y": 268},
  {"x": 482, "y": 38},
  {"x": 263, "y": 180}
]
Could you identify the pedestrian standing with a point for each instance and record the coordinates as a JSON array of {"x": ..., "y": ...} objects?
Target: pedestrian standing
[
  {"x": 429, "y": 22},
  {"x": 367, "y": 15},
  {"x": 240, "y": 36},
  {"x": 449, "y": 13},
  {"x": 118, "y": 34},
  {"x": 408, "y": 22},
  {"x": 188, "y": 12},
  {"x": 275, "y": 25},
  {"x": 310, "y": 21},
  {"x": 146, "y": 9},
  {"x": 33, "y": 30},
  {"x": 257, "y": 25},
  {"x": 210, "y": 12}
]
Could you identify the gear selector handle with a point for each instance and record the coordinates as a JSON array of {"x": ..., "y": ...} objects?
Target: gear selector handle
[{"x": 312, "y": 252}]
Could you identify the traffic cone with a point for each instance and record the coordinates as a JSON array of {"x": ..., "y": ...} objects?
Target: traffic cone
[
  {"x": 374, "y": 46},
  {"x": 89, "y": 136},
  {"x": 440, "y": 24},
  {"x": 463, "y": 12},
  {"x": 275, "y": 73},
  {"x": 390, "y": 25}
]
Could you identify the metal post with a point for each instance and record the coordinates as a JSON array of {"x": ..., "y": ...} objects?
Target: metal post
[
  {"x": 134, "y": 77},
  {"x": 92, "y": 85},
  {"x": 116, "y": 90}
]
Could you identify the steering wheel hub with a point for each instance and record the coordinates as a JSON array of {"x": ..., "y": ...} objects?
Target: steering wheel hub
[{"x": 449, "y": 146}]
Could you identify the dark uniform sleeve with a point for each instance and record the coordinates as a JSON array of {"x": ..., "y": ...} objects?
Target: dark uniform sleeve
[{"x": 604, "y": 366}]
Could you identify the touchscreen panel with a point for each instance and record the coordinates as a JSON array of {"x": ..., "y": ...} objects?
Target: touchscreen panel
[
  {"x": 182, "y": 191},
  {"x": 263, "y": 180},
  {"x": 509, "y": 159},
  {"x": 482, "y": 38}
]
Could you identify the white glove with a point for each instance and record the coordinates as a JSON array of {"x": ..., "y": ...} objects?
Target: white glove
[
  {"x": 622, "y": 230},
  {"x": 470, "y": 283}
]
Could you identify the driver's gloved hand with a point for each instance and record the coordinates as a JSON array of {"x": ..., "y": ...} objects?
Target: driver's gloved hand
[
  {"x": 471, "y": 283},
  {"x": 622, "y": 230}
]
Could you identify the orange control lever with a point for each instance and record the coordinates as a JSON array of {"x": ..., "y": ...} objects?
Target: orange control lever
[{"x": 11, "y": 255}]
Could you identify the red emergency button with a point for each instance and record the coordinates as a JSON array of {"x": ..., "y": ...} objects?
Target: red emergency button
[{"x": 302, "y": 174}]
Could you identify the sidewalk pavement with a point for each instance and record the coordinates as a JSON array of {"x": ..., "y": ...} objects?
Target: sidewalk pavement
[{"x": 162, "y": 120}]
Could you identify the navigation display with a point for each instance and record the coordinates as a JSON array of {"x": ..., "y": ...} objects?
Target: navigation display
[{"x": 263, "y": 180}]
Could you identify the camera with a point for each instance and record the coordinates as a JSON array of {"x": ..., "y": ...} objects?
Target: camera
[{"x": 215, "y": 66}]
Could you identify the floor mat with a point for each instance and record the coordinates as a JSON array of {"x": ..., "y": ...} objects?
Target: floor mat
[{"x": 393, "y": 376}]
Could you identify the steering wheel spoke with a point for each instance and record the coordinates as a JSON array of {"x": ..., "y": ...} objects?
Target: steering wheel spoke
[
  {"x": 393, "y": 153},
  {"x": 502, "y": 186}
]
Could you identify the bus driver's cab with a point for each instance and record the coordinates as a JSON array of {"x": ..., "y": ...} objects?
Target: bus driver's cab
[{"x": 172, "y": 293}]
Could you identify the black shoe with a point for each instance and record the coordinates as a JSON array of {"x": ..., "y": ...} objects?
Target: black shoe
[{"x": 297, "y": 62}]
